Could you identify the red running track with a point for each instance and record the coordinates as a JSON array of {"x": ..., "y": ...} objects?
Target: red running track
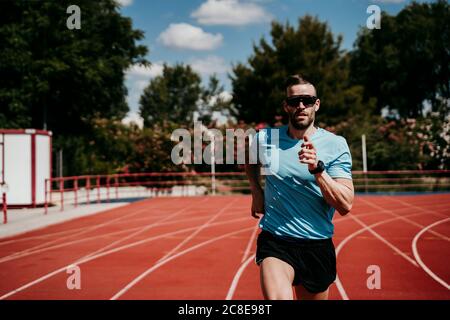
[{"x": 203, "y": 248}]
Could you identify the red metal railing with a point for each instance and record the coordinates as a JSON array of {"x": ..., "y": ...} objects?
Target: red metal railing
[
  {"x": 97, "y": 188},
  {"x": 87, "y": 189},
  {"x": 4, "y": 207}
]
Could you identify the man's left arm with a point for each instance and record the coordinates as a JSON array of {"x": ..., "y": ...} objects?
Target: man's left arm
[{"x": 337, "y": 192}]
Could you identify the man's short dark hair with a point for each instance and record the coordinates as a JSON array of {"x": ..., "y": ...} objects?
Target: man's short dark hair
[{"x": 296, "y": 79}]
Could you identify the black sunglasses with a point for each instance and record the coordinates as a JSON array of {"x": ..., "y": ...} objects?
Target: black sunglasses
[{"x": 294, "y": 101}]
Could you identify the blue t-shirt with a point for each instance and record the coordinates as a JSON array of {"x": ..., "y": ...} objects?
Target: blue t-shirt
[{"x": 294, "y": 205}]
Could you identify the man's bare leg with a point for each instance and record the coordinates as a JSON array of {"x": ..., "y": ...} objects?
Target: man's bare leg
[
  {"x": 276, "y": 279},
  {"x": 303, "y": 294}
]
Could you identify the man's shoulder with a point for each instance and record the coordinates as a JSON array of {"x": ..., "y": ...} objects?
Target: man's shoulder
[
  {"x": 269, "y": 128},
  {"x": 268, "y": 132},
  {"x": 333, "y": 138},
  {"x": 334, "y": 147}
]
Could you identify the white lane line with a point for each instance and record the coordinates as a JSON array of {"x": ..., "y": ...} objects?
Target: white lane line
[
  {"x": 447, "y": 204},
  {"x": 341, "y": 245},
  {"x": 243, "y": 265},
  {"x": 199, "y": 215},
  {"x": 111, "y": 251},
  {"x": 68, "y": 231},
  {"x": 171, "y": 252},
  {"x": 417, "y": 255},
  {"x": 41, "y": 236},
  {"x": 85, "y": 230},
  {"x": 145, "y": 219},
  {"x": 65, "y": 244},
  {"x": 137, "y": 206},
  {"x": 250, "y": 242},
  {"x": 437, "y": 234},
  {"x": 378, "y": 209},
  {"x": 197, "y": 231},
  {"x": 386, "y": 242},
  {"x": 146, "y": 228},
  {"x": 237, "y": 277},
  {"x": 161, "y": 263}
]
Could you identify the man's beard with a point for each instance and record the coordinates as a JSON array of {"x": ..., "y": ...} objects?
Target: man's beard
[{"x": 300, "y": 125}]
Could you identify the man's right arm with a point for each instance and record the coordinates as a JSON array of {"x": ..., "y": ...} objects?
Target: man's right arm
[{"x": 254, "y": 177}]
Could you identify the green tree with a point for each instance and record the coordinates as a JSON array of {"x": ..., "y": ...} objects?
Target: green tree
[
  {"x": 407, "y": 61},
  {"x": 172, "y": 96},
  {"x": 390, "y": 144},
  {"x": 59, "y": 79},
  {"x": 212, "y": 100},
  {"x": 106, "y": 148},
  {"x": 152, "y": 149},
  {"x": 311, "y": 50}
]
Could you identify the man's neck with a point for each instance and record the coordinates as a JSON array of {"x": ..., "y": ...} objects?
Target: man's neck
[{"x": 298, "y": 134}]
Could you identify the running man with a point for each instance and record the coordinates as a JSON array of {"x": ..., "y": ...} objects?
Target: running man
[{"x": 309, "y": 181}]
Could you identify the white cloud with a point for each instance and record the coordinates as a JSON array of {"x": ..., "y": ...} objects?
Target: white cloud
[
  {"x": 186, "y": 36},
  {"x": 209, "y": 65},
  {"x": 124, "y": 3},
  {"x": 230, "y": 12}
]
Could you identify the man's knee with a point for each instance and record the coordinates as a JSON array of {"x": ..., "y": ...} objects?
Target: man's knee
[{"x": 278, "y": 293}]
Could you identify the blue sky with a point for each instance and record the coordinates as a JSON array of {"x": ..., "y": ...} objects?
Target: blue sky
[{"x": 212, "y": 35}]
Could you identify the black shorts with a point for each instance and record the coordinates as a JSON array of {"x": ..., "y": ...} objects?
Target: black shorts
[{"x": 314, "y": 261}]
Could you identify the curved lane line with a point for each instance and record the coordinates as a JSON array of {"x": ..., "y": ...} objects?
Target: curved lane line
[
  {"x": 237, "y": 277},
  {"x": 339, "y": 285},
  {"x": 419, "y": 260}
]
